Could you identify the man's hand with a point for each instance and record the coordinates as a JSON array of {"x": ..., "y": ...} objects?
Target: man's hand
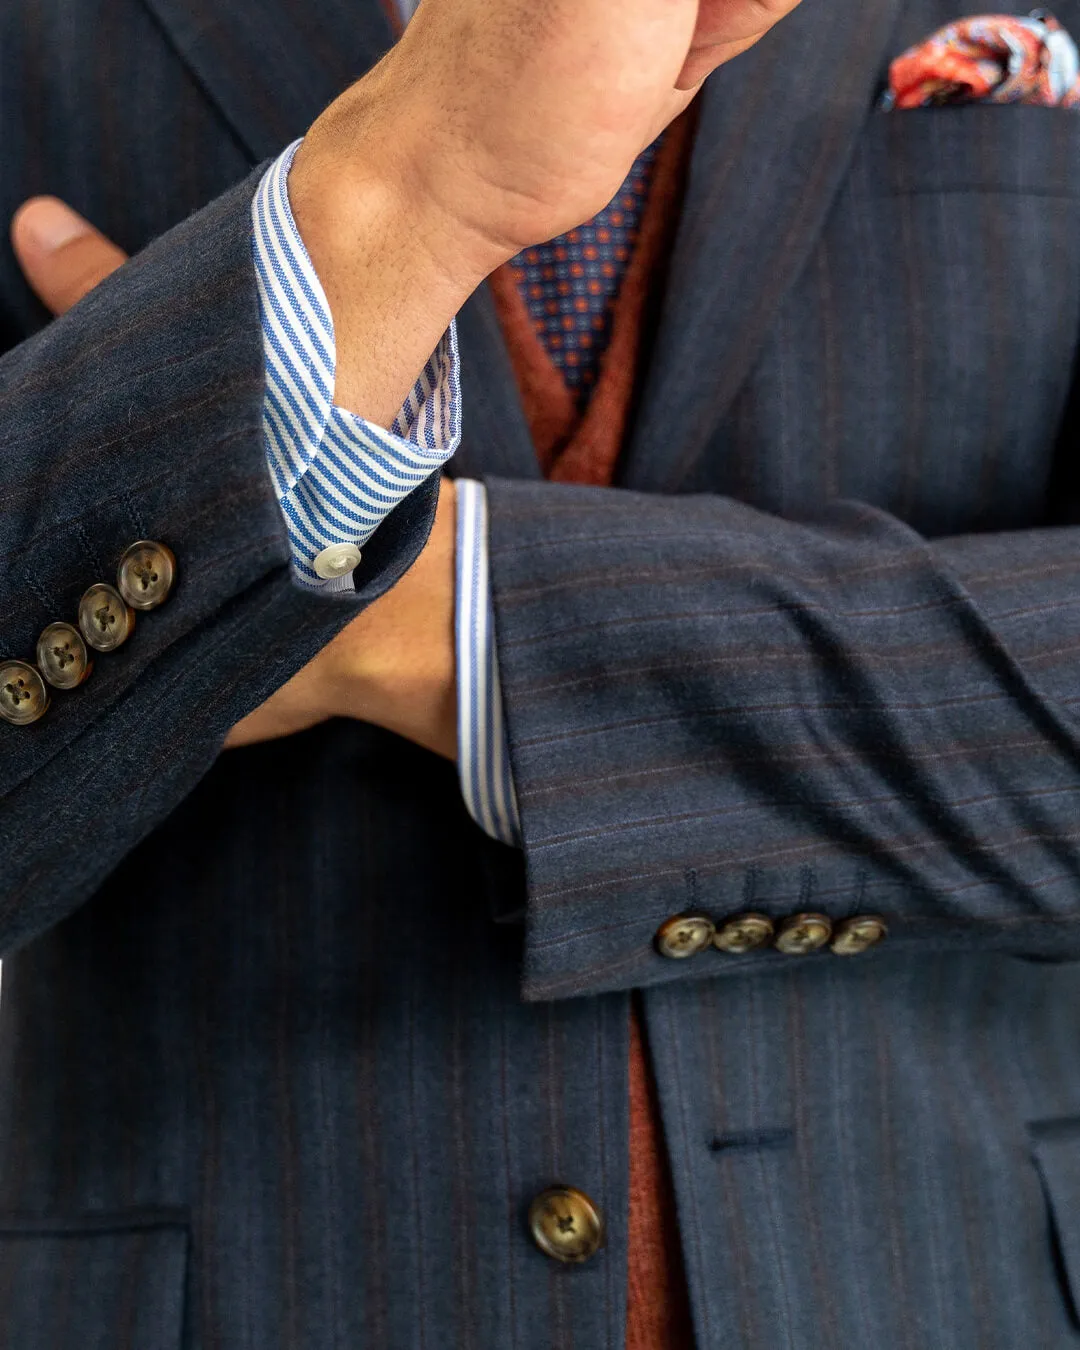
[
  {"x": 394, "y": 664},
  {"x": 61, "y": 254},
  {"x": 491, "y": 125}
]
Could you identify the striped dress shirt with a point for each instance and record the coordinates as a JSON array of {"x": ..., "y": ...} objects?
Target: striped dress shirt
[{"x": 337, "y": 476}]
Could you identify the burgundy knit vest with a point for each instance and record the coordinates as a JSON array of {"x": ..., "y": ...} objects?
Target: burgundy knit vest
[{"x": 584, "y": 448}]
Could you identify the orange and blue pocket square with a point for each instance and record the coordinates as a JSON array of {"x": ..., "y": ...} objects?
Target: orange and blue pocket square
[{"x": 989, "y": 58}]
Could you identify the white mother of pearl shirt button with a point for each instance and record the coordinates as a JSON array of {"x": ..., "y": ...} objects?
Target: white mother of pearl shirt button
[{"x": 336, "y": 561}]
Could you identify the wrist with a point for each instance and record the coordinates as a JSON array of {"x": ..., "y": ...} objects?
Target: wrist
[
  {"x": 366, "y": 175},
  {"x": 394, "y": 665},
  {"x": 419, "y": 705},
  {"x": 395, "y": 263}
]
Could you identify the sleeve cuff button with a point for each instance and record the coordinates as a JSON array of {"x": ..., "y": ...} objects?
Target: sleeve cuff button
[
  {"x": 743, "y": 933},
  {"x": 855, "y": 936},
  {"x": 62, "y": 656},
  {"x": 105, "y": 618},
  {"x": 803, "y": 933},
  {"x": 146, "y": 574},
  {"x": 23, "y": 696},
  {"x": 684, "y": 935}
]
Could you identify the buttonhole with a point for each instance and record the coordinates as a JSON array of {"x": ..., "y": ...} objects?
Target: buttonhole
[{"x": 751, "y": 1139}]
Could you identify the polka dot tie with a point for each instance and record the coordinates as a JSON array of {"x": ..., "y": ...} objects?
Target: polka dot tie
[{"x": 570, "y": 284}]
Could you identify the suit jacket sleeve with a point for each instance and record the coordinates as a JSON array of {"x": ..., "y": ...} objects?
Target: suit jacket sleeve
[
  {"x": 139, "y": 415},
  {"x": 710, "y": 708}
]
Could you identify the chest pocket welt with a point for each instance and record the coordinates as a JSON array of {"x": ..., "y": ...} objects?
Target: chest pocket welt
[{"x": 106, "y": 1280}]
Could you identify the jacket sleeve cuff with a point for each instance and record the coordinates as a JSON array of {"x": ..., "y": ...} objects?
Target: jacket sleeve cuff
[{"x": 137, "y": 415}]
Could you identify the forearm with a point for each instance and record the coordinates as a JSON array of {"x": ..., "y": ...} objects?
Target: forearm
[
  {"x": 396, "y": 265},
  {"x": 483, "y": 131},
  {"x": 394, "y": 664}
]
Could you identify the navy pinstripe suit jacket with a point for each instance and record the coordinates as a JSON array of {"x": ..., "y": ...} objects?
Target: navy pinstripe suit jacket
[{"x": 287, "y": 1046}]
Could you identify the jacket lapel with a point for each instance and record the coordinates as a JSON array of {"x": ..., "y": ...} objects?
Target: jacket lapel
[
  {"x": 271, "y": 66},
  {"x": 776, "y": 133}
]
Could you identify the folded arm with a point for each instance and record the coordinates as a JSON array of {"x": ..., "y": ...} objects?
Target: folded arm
[
  {"x": 711, "y": 709},
  {"x": 140, "y": 413}
]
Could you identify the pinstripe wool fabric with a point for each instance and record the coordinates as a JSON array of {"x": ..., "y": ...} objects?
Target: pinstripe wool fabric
[
  {"x": 288, "y": 1045},
  {"x": 124, "y": 1273},
  {"x": 587, "y": 450}
]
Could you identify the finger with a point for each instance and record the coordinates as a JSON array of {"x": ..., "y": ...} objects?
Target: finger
[{"x": 61, "y": 254}]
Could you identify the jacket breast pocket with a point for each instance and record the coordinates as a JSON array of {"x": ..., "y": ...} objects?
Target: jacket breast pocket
[
  {"x": 972, "y": 148},
  {"x": 953, "y": 262},
  {"x": 1056, "y": 1146},
  {"x": 93, "y": 1282}
]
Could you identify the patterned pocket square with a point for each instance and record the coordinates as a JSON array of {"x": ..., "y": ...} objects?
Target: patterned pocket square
[{"x": 992, "y": 58}]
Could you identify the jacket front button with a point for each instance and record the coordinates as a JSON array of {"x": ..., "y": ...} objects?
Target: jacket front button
[
  {"x": 23, "y": 696},
  {"x": 803, "y": 933},
  {"x": 743, "y": 933},
  {"x": 105, "y": 621},
  {"x": 684, "y": 935},
  {"x": 146, "y": 574},
  {"x": 565, "y": 1224},
  {"x": 855, "y": 936},
  {"x": 62, "y": 656}
]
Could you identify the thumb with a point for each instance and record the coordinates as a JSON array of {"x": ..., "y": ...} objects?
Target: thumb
[{"x": 61, "y": 254}]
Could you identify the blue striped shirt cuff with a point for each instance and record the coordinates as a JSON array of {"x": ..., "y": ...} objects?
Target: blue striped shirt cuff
[
  {"x": 483, "y": 755},
  {"x": 337, "y": 476}
]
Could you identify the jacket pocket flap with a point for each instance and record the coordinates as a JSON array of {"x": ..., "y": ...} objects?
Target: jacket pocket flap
[
  {"x": 93, "y": 1282},
  {"x": 1057, "y": 1157}
]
